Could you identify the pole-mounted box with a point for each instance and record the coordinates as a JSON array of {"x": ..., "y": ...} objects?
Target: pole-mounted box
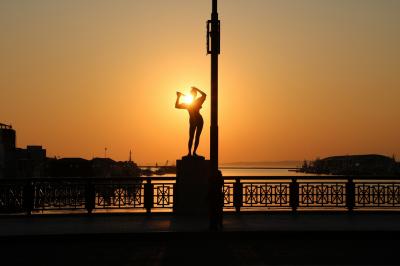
[{"x": 213, "y": 36}]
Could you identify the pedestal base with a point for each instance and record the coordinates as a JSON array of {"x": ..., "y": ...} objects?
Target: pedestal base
[{"x": 192, "y": 184}]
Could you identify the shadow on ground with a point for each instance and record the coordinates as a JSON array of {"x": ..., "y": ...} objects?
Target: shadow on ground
[{"x": 228, "y": 248}]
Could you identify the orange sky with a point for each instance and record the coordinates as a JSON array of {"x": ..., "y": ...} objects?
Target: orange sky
[{"x": 298, "y": 79}]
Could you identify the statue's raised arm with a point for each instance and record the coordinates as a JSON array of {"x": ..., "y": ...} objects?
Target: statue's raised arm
[
  {"x": 179, "y": 105},
  {"x": 203, "y": 95}
]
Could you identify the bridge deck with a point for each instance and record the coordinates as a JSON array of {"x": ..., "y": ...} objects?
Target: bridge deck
[
  {"x": 156, "y": 223},
  {"x": 247, "y": 239}
]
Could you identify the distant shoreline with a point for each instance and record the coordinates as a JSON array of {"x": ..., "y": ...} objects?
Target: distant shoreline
[{"x": 290, "y": 164}]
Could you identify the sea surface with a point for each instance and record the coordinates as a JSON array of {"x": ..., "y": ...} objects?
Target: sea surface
[
  {"x": 244, "y": 171},
  {"x": 255, "y": 171}
]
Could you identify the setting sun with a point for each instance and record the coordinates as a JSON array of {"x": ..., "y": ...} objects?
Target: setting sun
[{"x": 188, "y": 99}]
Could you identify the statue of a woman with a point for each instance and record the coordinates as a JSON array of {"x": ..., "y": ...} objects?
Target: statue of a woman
[{"x": 195, "y": 119}]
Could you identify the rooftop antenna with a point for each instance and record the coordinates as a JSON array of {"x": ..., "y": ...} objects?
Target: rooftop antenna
[{"x": 130, "y": 155}]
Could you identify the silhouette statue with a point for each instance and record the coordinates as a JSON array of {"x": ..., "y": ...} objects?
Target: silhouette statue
[{"x": 195, "y": 119}]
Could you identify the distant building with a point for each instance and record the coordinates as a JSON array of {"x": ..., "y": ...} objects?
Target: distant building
[
  {"x": 369, "y": 164},
  {"x": 98, "y": 167},
  {"x": 32, "y": 162},
  {"x": 17, "y": 162},
  {"x": 7, "y": 150},
  {"x": 68, "y": 167}
]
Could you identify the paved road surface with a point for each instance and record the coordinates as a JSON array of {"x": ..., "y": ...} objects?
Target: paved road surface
[
  {"x": 247, "y": 239},
  {"x": 153, "y": 223}
]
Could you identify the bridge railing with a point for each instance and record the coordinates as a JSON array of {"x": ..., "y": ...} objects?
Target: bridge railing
[
  {"x": 312, "y": 193},
  {"x": 87, "y": 195},
  {"x": 240, "y": 194}
]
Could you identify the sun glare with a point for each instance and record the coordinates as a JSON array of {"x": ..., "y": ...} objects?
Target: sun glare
[{"x": 188, "y": 99}]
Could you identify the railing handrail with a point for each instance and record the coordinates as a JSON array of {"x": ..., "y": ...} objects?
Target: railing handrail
[
  {"x": 173, "y": 178},
  {"x": 316, "y": 177},
  {"x": 85, "y": 179}
]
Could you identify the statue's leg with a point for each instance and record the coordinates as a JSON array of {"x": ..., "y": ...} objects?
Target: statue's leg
[
  {"x": 198, "y": 133},
  {"x": 192, "y": 129}
]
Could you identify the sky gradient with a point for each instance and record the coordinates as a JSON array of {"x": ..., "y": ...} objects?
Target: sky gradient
[{"x": 299, "y": 79}]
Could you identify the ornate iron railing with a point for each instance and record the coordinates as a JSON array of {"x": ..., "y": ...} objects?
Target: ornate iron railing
[
  {"x": 12, "y": 196},
  {"x": 377, "y": 194},
  {"x": 240, "y": 194},
  {"x": 58, "y": 195},
  {"x": 46, "y": 195},
  {"x": 312, "y": 193}
]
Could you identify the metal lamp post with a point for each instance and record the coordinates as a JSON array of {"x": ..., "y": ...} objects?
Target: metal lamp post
[{"x": 213, "y": 48}]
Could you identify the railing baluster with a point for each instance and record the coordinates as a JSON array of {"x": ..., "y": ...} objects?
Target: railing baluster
[
  {"x": 28, "y": 195},
  {"x": 294, "y": 194},
  {"x": 350, "y": 194},
  {"x": 174, "y": 197},
  {"x": 90, "y": 197},
  {"x": 148, "y": 195},
  {"x": 237, "y": 194}
]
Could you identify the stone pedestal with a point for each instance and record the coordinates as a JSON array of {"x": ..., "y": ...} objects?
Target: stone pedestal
[{"x": 192, "y": 186}]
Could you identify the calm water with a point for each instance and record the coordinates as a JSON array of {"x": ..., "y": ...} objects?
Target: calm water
[
  {"x": 255, "y": 172},
  {"x": 259, "y": 172}
]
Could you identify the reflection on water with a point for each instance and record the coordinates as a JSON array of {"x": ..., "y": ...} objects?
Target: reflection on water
[
  {"x": 255, "y": 172},
  {"x": 261, "y": 172}
]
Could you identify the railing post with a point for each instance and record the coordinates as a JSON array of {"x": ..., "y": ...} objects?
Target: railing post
[
  {"x": 90, "y": 197},
  {"x": 350, "y": 194},
  {"x": 237, "y": 194},
  {"x": 28, "y": 194},
  {"x": 294, "y": 195},
  {"x": 175, "y": 197},
  {"x": 148, "y": 195}
]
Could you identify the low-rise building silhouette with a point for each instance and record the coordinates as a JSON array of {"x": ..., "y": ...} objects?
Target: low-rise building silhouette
[
  {"x": 7, "y": 150},
  {"x": 368, "y": 164},
  {"x": 97, "y": 167},
  {"x": 32, "y": 162}
]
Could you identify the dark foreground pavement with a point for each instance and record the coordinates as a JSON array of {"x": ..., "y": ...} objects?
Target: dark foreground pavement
[{"x": 247, "y": 239}]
